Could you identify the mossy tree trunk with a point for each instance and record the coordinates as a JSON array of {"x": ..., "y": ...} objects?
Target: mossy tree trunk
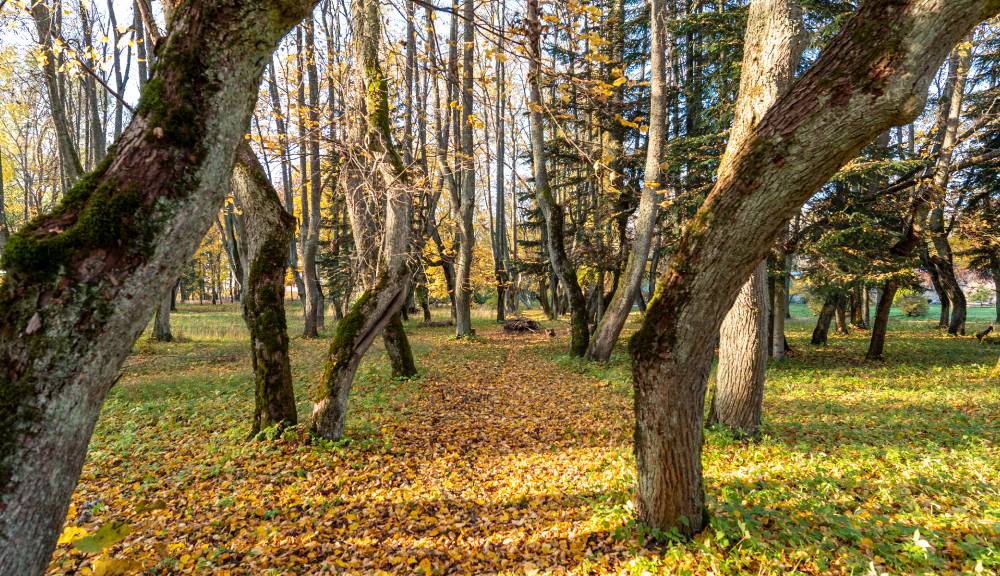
[
  {"x": 83, "y": 281},
  {"x": 387, "y": 276},
  {"x": 268, "y": 231},
  {"x": 552, "y": 211},
  {"x": 872, "y": 75}
]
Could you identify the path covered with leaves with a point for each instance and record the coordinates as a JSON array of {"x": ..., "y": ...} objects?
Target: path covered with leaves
[{"x": 507, "y": 457}]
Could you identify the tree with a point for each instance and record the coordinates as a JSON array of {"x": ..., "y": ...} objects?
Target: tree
[
  {"x": 81, "y": 282},
  {"x": 771, "y": 54},
  {"x": 467, "y": 197},
  {"x": 269, "y": 229},
  {"x": 873, "y": 74},
  {"x": 389, "y": 192},
  {"x": 552, "y": 212},
  {"x": 611, "y": 323}
]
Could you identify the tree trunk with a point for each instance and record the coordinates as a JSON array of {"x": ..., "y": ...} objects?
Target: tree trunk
[
  {"x": 872, "y": 75},
  {"x": 939, "y": 289},
  {"x": 770, "y": 56},
  {"x": 739, "y": 387},
  {"x": 841, "y": 315},
  {"x": 161, "y": 322},
  {"x": 611, "y": 323},
  {"x": 69, "y": 156},
  {"x": 268, "y": 231},
  {"x": 551, "y": 211},
  {"x": 398, "y": 349},
  {"x": 387, "y": 285},
  {"x": 82, "y": 282},
  {"x": 882, "y": 309},
  {"x": 778, "y": 304},
  {"x": 822, "y": 329},
  {"x": 465, "y": 209}
]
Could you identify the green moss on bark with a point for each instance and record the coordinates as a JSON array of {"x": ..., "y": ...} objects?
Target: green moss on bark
[{"x": 342, "y": 345}]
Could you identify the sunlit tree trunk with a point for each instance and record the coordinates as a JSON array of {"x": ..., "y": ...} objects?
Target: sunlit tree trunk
[
  {"x": 467, "y": 199},
  {"x": 388, "y": 278},
  {"x": 613, "y": 319},
  {"x": 552, "y": 212},
  {"x": 771, "y": 54},
  {"x": 82, "y": 283},
  {"x": 268, "y": 231},
  {"x": 872, "y": 75}
]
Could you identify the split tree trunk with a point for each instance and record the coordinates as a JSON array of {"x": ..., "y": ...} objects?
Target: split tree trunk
[
  {"x": 872, "y": 75},
  {"x": 82, "y": 282},
  {"x": 268, "y": 231},
  {"x": 611, "y": 323},
  {"x": 770, "y": 56},
  {"x": 387, "y": 280}
]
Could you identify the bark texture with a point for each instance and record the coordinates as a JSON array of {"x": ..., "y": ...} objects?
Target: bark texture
[
  {"x": 872, "y": 75},
  {"x": 83, "y": 281},
  {"x": 269, "y": 229},
  {"x": 739, "y": 382},
  {"x": 770, "y": 56}
]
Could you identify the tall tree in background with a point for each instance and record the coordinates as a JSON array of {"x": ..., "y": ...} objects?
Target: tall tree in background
[
  {"x": 611, "y": 323},
  {"x": 81, "y": 283},
  {"x": 771, "y": 53},
  {"x": 464, "y": 211},
  {"x": 872, "y": 75},
  {"x": 552, "y": 212}
]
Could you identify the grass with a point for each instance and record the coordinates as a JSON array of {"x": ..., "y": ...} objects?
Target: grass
[{"x": 505, "y": 456}]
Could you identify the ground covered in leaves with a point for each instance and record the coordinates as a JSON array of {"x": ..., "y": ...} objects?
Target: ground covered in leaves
[{"x": 507, "y": 457}]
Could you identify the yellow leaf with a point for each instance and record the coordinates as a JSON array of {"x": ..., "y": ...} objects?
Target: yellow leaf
[{"x": 71, "y": 533}]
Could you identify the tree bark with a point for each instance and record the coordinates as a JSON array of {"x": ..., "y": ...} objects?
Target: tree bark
[
  {"x": 778, "y": 305},
  {"x": 610, "y": 326},
  {"x": 82, "y": 282},
  {"x": 268, "y": 231},
  {"x": 398, "y": 349},
  {"x": 552, "y": 212},
  {"x": 872, "y": 75},
  {"x": 386, "y": 289},
  {"x": 739, "y": 386},
  {"x": 770, "y": 56},
  {"x": 467, "y": 200}
]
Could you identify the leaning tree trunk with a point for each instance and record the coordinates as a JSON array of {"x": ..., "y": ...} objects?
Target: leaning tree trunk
[
  {"x": 397, "y": 347},
  {"x": 872, "y": 75},
  {"x": 82, "y": 282},
  {"x": 739, "y": 384},
  {"x": 881, "y": 323},
  {"x": 386, "y": 293},
  {"x": 613, "y": 319},
  {"x": 826, "y": 314},
  {"x": 161, "y": 321},
  {"x": 268, "y": 231},
  {"x": 552, "y": 212},
  {"x": 770, "y": 56}
]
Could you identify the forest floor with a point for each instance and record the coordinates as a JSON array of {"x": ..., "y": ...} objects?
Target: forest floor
[{"x": 505, "y": 456}]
